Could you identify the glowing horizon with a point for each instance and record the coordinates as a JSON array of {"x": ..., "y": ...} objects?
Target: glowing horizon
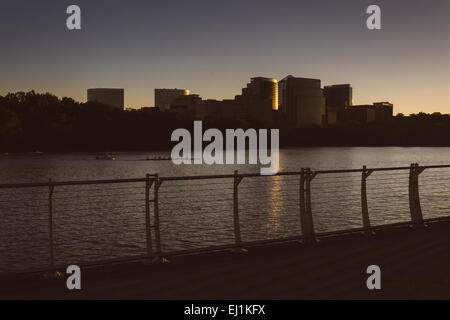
[{"x": 213, "y": 49}]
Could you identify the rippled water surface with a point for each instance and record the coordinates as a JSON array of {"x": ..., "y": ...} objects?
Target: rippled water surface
[{"x": 95, "y": 222}]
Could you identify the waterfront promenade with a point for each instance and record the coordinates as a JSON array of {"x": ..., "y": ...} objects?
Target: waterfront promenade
[{"x": 414, "y": 265}]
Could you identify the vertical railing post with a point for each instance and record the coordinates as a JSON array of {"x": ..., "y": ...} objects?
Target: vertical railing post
[
  {"x": 309, "y": 219},
  {"x": 306, "y": 219},
  {"x": 237, "y": 226},
  {"x": 414, "y": 199},
  {"x": 147, "y": 215},
  {"x": 50, "y": 220},
  {"x": 418, "y": 170},
  {"x": 365, "y": 210},
  {"x": 156, "y": 214},
  {"x": 412, "y": 205},
  {"x": 302, "y": 201}
]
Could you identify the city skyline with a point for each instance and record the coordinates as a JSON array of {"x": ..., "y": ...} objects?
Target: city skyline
[{"x": 212, "y": 49}]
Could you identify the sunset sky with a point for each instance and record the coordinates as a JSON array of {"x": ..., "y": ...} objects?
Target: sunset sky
[{"x": 213, "y": 48}]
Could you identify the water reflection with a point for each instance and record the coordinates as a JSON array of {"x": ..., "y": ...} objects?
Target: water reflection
[
  {"x": 277, "y": 202},
  {"x": 96, "y": 222}
]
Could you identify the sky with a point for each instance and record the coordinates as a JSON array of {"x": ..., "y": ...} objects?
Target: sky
[{"x": 214, "y": 47}]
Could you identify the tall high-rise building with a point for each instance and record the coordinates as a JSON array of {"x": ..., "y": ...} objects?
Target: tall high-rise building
[
  {"x": 337, "y": 99},
  {"x": 302, "y": 100},
  {"x": 165, "y": 97},
  {"x": 259, "y": 98},
  {"x": 112, "y": 97},
  {"x": 264, "y": 89}
]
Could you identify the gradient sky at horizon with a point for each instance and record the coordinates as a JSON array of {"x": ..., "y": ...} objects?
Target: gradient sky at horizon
[{"x": 214, "y": 47}]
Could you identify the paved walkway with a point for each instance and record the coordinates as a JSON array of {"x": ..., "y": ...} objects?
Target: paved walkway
[{"x": 414, "y": 264}]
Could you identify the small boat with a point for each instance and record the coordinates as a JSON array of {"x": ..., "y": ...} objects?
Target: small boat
[
  {"x": 106, "y": 156},
  {"x": 158, "y": 158}
]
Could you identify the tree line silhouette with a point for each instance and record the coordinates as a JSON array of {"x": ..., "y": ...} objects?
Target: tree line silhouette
[{"x": 32, "y": 121}]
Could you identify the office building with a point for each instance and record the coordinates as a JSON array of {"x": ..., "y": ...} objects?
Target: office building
[
  {"x": 257, "y": 101},
  {"x": 259, "y": 98},
  {"x": 377, "y": 112},
  {"x": 361, "y": 113},
  {"x": 302, "y": 100},
  {"x": 165, "y": 97},
  {"x": 383, "y": 111},
  {"x": 338, "y": 98}
]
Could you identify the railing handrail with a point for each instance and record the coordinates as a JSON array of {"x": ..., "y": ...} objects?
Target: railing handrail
[
  {"x": 69, "y": 183},
  {"x": 304, "y": 185},
  {"x": 200, "y": 177}
]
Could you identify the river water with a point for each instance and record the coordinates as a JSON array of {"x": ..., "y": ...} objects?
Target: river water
[{"x": 97, "y": 222}]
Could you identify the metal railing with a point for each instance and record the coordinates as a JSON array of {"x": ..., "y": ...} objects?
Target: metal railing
[{"x": 153, "y": 197}]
